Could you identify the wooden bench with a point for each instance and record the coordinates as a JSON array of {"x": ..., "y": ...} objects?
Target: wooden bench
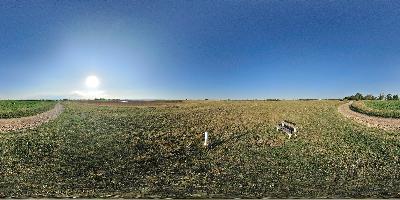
[{"x": 287, "y": 127}]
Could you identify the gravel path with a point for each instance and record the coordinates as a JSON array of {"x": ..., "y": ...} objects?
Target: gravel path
[
  {"x": 370, "y": 121},
  {"x": 31, "y": 121}
]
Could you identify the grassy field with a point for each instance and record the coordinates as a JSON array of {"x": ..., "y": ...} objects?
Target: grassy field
[
  {"x": 14, "y": 109},
  {"x": 156, "y": 151},
  {"x": 388, "y": 109}
]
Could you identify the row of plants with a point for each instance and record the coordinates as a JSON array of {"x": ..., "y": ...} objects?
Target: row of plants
[
  {"x": 383, "y": 105},
  {"x": 387, "y": 109},
  {"x": 23, "y": 108}
]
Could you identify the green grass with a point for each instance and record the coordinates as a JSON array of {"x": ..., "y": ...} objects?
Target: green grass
[
  {"x": 383, "y": 105},
  {"x": 156, "y": 151},
  {"x": 15, "y": 109},
  {"x": 388, "y": 109}
]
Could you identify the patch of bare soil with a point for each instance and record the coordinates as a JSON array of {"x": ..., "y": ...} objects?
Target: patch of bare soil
[
  {"x": 31, "y": 121},
  {"x": 370, "y": 121}
]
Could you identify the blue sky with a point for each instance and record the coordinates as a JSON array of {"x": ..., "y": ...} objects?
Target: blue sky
[{"x": 199, "y": 49}]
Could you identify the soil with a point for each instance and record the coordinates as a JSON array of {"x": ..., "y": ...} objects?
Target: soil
[
  {"x": 31, "y": 121},
  {"x": 370, "y": 121}
]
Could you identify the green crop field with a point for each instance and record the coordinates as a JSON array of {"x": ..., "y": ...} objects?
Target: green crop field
[
  {"x": 106, "y": 150},
  {"x": 388, "y": 109},
  {"x": 383, "y": 105},
  {"x": 14, "y": 109}
]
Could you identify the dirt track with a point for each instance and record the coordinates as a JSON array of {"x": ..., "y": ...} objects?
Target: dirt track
[
  {"x": 31, "y": 121},
  {"x": 370, "y": 121}
]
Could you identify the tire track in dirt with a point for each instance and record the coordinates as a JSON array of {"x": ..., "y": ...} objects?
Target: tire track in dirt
[
  {"x": 31, "y": 121},
  {"x": 370, "y": 121}
]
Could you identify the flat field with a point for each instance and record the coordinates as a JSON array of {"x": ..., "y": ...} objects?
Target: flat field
[
  {"x": 94, "y": 150},
  {"x": 23, "y": 108}
]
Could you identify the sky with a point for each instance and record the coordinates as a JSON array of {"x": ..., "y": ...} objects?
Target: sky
[{"x": 190, "y": 49}]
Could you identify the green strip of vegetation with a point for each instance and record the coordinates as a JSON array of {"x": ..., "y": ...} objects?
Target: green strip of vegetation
[
  {"x": 16, "y": 109},
  {"x": 388, "y": 109}
]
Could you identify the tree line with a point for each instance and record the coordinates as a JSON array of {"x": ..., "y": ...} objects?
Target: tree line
[{"x": 381, "y": 96}]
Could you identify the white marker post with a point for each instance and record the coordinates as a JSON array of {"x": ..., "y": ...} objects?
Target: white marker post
[{"x": 206, "y": 138}]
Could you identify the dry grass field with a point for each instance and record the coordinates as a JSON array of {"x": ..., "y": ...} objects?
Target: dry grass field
[{"x": 149, "y": 151}]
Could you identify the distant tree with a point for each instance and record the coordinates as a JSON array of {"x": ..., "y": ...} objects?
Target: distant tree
[
  {"x": 352, "y": 97},
  {"x": 100, "y": 99},
  {"x": 381, "y": 96},
  {"x": 396, "y": 97},
  {"x": 369, "y": 97},
  {"x": 389, "y": 97},
  {"x": 358, "y": 96}
]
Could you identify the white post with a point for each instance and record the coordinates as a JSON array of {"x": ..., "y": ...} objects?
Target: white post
[{"x": 206, "y": 138}]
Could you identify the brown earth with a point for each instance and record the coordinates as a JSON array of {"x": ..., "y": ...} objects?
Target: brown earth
[
  {"x": 370, "y": 121},
  {"x": 31, "y": 121}
]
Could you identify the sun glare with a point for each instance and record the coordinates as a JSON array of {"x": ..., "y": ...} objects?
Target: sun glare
[{"x": 92, "y": 82}]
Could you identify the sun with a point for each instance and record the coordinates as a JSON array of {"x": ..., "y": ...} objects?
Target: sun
[{"x": 92, "y": 82}]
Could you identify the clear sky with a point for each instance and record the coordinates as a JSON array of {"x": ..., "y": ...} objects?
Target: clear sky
[{"x": 196, "y": 49}]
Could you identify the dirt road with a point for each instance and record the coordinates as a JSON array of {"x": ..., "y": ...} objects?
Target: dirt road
[
  {"x": 370, "y": 121},
  {"x": 31, "y": 121}
]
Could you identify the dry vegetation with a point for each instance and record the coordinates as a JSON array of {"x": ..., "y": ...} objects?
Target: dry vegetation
[{"x": 156, "y": 151}]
